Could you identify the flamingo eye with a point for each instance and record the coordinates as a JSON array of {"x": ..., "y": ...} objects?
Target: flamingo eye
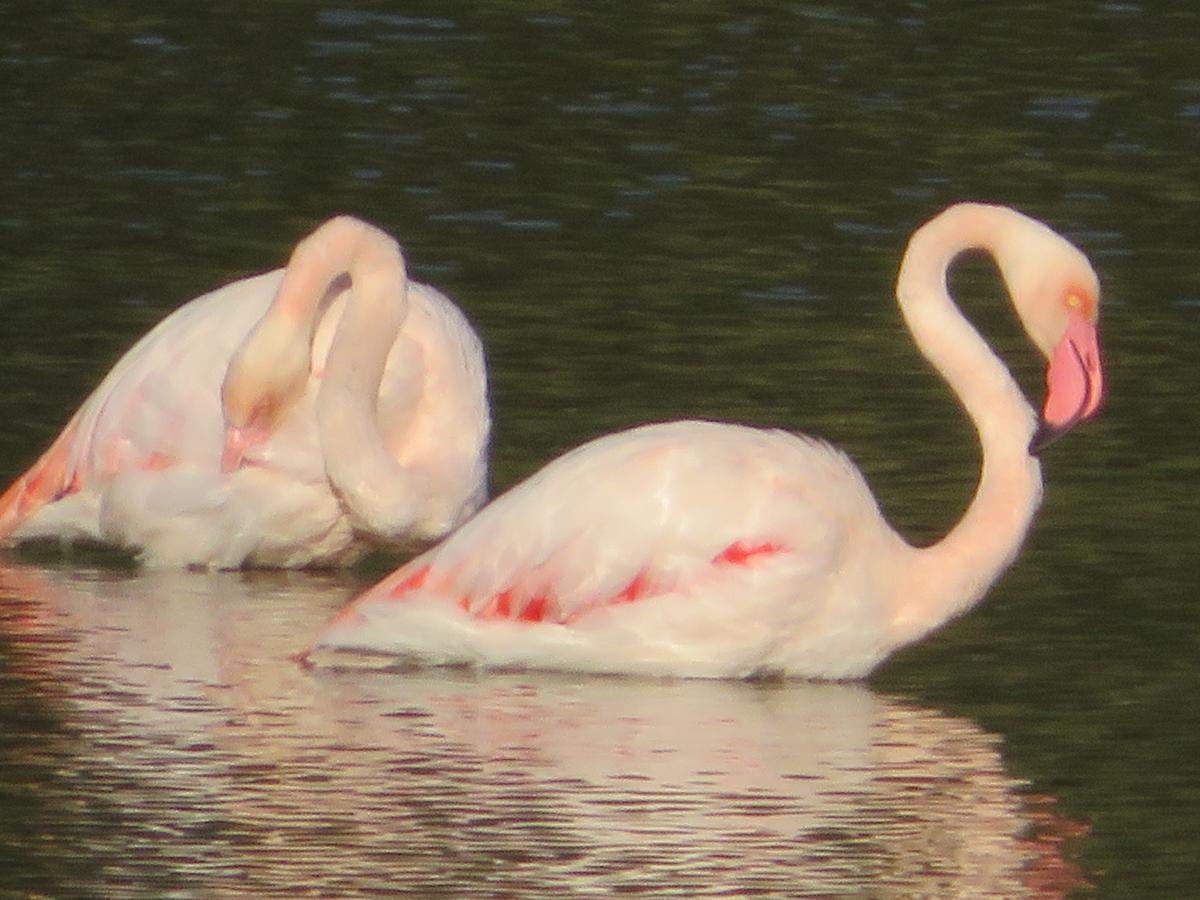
[{"x": 1079, "y": 300}]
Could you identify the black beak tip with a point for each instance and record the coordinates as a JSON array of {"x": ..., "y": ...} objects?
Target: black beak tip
[{"x": 1044, "y": 436}]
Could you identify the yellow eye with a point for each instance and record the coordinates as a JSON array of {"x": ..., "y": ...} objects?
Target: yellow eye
[{"x": 1080, "y": 300}]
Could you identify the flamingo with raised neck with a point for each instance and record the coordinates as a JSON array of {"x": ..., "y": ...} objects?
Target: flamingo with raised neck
[{"x": 696, "y": 548}]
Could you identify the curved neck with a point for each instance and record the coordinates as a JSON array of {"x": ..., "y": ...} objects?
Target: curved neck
[
  {"x": 953, "y": 574},
  {"x": 381, "y": 495},
  {"x": 343, "y": 246},
  {"x": 271, "y": 369}
]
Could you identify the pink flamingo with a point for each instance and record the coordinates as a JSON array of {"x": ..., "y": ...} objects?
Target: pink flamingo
[
  {"x": 290, "y": 419},
  {"x": 703, "y": 549}
]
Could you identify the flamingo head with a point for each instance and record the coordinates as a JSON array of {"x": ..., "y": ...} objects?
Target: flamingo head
[
  {"x": 267, "y": 374},
  {"x": 1057, "y": 297}
]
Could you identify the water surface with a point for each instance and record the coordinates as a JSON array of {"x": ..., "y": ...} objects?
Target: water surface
[{"x": 176, "y": 747}]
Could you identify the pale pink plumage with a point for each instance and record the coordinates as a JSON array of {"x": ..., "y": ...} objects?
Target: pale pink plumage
[
  {"x": 152, "y": 462},
  {"x": 703, "y": 549}
]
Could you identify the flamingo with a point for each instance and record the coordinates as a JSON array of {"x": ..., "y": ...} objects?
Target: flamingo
[
  {"x": 290, "y": 419},
  {"x": 697, "y": 548}
]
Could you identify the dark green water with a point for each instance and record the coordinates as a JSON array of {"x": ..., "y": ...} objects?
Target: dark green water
[{"x": 646, "y": 215}]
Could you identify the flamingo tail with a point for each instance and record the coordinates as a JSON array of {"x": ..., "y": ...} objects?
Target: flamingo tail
[{"x": 46, "y": 480}]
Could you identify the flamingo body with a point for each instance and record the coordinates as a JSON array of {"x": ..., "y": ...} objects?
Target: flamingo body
[
  {"x": 717, "y": 556},
  {"x": 144, "y": 464},
  {"x": 705, "y": 549}
]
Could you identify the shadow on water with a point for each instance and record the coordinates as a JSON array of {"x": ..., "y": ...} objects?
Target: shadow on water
[{"x": 163, "y": 738}]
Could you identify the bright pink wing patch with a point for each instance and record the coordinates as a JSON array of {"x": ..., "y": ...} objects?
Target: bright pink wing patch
[
  {"x": 411, "y": 583},
  {"x": 543, "y": 606},
  {"x": 46, "y": 481},
  {"x": 742, "y": 554},
  {"x": 498, "y": 607},
  {"x": 536, "y": 609}
]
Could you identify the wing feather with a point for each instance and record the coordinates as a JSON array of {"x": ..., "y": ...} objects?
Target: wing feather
[{"x": 642, "y": 513}]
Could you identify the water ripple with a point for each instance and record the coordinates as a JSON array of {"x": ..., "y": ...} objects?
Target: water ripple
[{"x": 212, "y": 763}]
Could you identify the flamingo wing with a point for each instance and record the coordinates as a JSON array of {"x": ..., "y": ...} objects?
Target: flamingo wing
[
  {"x": 694, "y": 512},
  {"x": 158, "y": 406}
]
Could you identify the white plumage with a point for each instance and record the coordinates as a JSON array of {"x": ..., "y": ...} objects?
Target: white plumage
[{"x": 140, "y": 463}]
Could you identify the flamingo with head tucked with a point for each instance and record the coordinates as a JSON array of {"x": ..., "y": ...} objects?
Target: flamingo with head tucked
[
  {"x": 702, "y": 549},
  {"x": 295, "y": 418}
]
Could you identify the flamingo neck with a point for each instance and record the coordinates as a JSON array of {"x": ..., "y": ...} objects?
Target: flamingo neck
[
  {"x": 952, "y": 575},
  {"x": 271, "y": 369},
  {"x": 382, "y": 496}
]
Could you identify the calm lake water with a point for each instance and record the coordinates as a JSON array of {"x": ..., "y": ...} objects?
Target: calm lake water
[{"x": 653, "y": 215}]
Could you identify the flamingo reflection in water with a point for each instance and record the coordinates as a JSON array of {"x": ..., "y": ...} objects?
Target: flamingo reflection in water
[
  {"x": 169, "y": 696},
  {"x": 295, "y": 418}
]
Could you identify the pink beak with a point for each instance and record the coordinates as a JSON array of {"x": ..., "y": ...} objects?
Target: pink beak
[{"x": 1074, "y": 381}]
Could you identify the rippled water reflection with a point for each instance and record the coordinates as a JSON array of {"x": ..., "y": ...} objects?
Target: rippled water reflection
[{"x": 177, "y": 747}]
